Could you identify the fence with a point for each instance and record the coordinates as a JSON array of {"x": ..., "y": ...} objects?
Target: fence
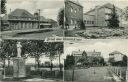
[{"x": 119, "y": 71}]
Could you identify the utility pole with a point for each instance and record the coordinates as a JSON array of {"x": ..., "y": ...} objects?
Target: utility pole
[
  {"x": 0, "y": 15},
  {"x": 39, "y": 18}
]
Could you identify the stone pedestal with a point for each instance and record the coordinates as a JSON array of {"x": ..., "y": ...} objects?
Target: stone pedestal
[
  {"x": 127, "y": 75},
  {"x": 19, "y": 67}
]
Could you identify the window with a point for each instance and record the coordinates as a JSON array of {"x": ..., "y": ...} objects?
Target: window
[
  {"x": 71, "y": 21},
  {"x": 71, "y": 9},
  {"x": 75, "y": 11},
  {"x": 85, "y": 21},
  {"x": 92, "y": 22},
  {"x": 108, "y": 10},
  {"x": 107, "y": 17}
]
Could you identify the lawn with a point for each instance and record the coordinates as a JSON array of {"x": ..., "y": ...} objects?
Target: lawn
[
  {"x": 99, "y": 33},
  {"x": 34, "y": 34}
]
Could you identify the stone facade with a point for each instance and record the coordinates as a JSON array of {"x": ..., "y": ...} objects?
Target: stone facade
[
  {"x": 19, "y": 68},
  {"x": 100, "y": 15},
  {"x": 20, "y": 19},
  {"x": 73, "y": 14}
]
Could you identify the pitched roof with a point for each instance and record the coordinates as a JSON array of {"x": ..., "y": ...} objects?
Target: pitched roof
[
  {"x": 77, "y": 52},
  {"x": 74, "y": 2},
  {"x": 51, "y": 20},
  {"x": 107, "y": 5},
  {"x": 93, "y": 53},
  {"x": 21, "y": 13},
  {"x": 42, "y": 18},
  {"x": 115, "y": 52}
]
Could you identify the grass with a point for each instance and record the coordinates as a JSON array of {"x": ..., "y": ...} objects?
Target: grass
[{"x": 98, "y": 32}]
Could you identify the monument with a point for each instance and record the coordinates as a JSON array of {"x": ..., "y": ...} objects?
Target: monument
[
  {"x": 127, "y": 72},
  {"x": 19, "y": 63}
]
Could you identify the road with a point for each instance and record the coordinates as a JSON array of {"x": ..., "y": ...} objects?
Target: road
[{"x": 93, "y": 74}]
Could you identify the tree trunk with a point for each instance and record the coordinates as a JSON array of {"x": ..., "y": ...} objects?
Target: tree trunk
[
  {"x": 51, "y": 66},
  {"x": 59, "y": 63},
  {"x": 8, "y": 62},
  {"x": 4, "y": 68},
  {"x": 37, "y": 62}
]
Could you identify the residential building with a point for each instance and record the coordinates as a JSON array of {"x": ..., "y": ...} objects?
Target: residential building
[
  {"x": 79, "y": 54},
  {"x": 73, "y": 14},
  {"x": 20, "y": 19},
  {"x": 47, "y": 23},
  {"x": 53, "y": 23},
  {"x": 100, "y": 14},
  {"x": 116, "y": 56},
  {"x": 93, "y": 54},
  {"x": 44, "y": 23}
]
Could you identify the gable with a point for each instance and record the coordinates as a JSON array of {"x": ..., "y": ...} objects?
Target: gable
[{"x": 20, "y": 13}]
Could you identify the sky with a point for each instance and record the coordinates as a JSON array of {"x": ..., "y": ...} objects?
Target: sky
[
  {"x": 105, "y": 46},
  {"x": 90, "y": 4},
  {"x": 50, "y": 8}
]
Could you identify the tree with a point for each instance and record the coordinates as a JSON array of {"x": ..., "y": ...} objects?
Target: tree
[
  {"x": 82, "y": 25},
  {"x": 111, "y": 61},
  {"x": 124, "y": 61},
  {"x": 125, "y": 14},
  {"x": 69, "y": 62},
  {"x": 3, "y": 6},
  {"x": 53, "y": 50},
  {"x": 113, "y": 21},
  {"x": 60, "y": 17},
  {"x": 59, "y": 49},
  {"x": 101, "y": 61}
]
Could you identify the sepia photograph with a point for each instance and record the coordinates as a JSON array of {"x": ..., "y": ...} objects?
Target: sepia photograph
[
  {"x": 31, "y": 19},
  {"x": 96, "y": 19},
  {"x": 31, "y": 61},
  {"x": 63, "y": 40},
  {"x": 96, "y": 61}
]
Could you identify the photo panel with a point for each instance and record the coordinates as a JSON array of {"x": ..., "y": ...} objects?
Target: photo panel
[
  {"x": 101, "y": 60},
  {"x": 96, "y": 19},
  {"x": 31, "y": 61},
  {"x": 31, "y": 19}
]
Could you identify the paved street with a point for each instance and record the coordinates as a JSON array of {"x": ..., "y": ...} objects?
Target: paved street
[{"x": 93, "y": 74}]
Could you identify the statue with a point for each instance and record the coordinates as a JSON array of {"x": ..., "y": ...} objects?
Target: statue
[{"x": 19, "y": 46}]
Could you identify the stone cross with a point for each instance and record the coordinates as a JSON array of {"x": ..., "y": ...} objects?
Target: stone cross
[{"x": 19, "y": 46}]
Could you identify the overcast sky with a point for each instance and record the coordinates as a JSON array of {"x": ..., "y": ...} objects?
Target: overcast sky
[
  {"x": 90, "y": 4},
  {"x": 105, "y": 46},
  {"x": 49, "y": 8}
]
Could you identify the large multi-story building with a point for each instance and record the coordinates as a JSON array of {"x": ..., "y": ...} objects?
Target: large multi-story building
[
  {"x": 73, "y": 14},
  {"x": 20, "y": 19},
  {"x": 87, "y": 55},
  {"x": 100, "y": 14},
  {"x": 116, "y": 56},
  {"x": 79, "y": 54}
]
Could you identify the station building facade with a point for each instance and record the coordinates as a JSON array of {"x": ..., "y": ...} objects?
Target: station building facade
[
  {"x": 73, "y": 14},
  {"x": 20, "y": 19}
]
